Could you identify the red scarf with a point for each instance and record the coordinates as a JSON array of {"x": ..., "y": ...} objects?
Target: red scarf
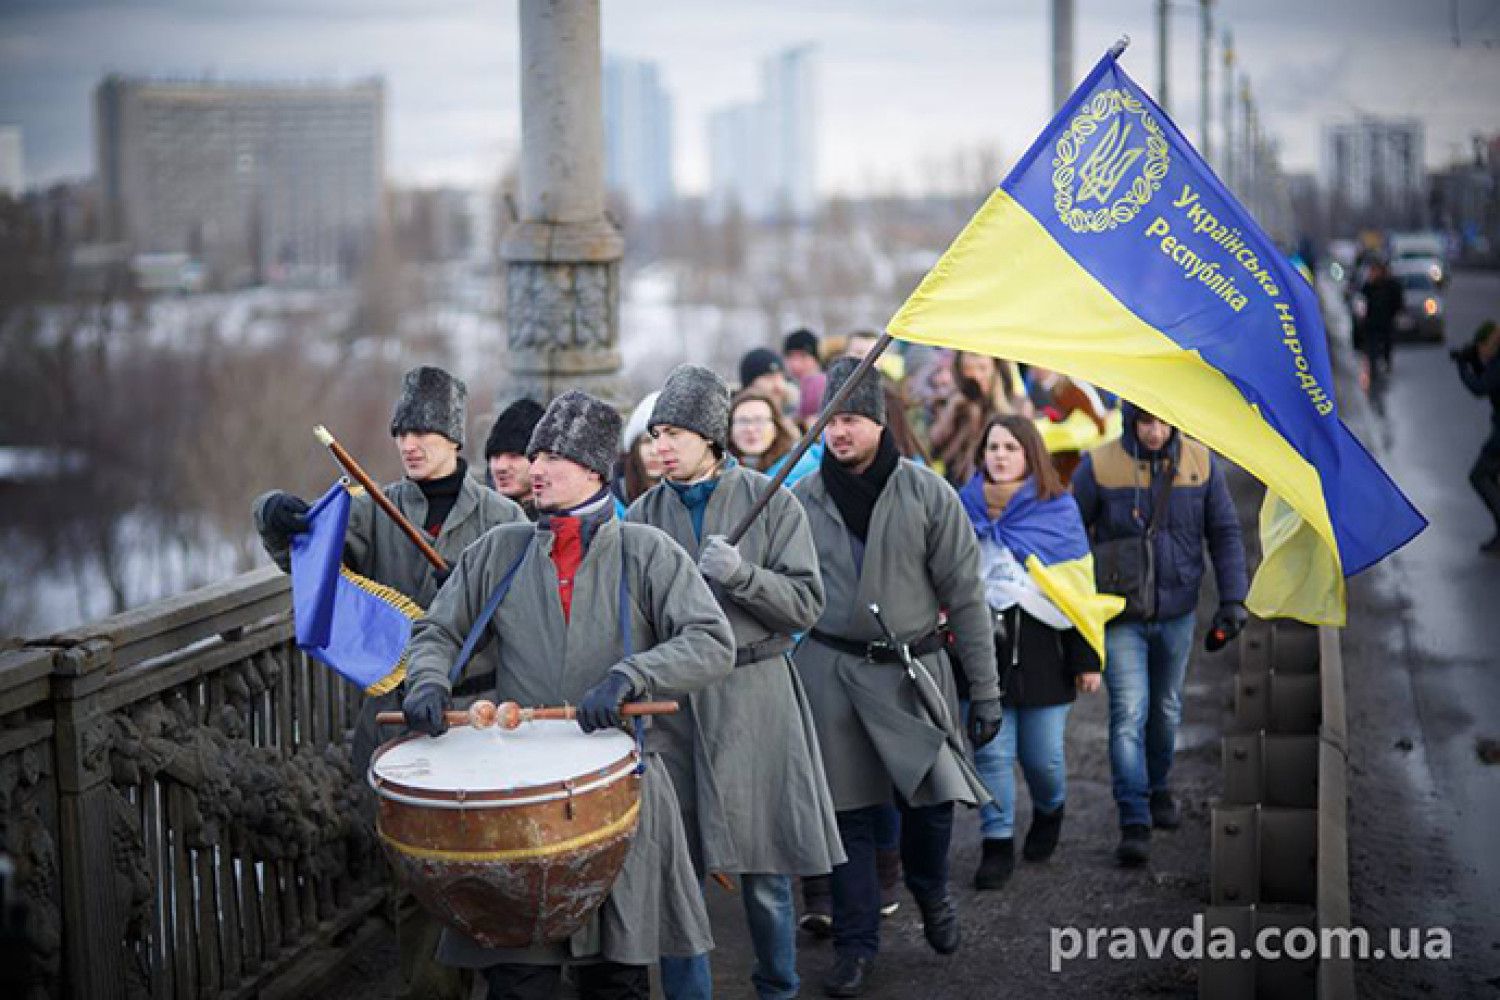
[{"x": 567, "y": 553}]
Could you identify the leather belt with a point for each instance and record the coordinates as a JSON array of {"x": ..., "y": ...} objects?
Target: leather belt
[
  {"x": 880, "y": 651},
  {"x": 766, "y": 648}
]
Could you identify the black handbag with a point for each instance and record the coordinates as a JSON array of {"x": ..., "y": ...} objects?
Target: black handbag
[{"x": 1126, "y": 567}]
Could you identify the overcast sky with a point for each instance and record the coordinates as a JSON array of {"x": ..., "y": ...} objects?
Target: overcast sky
[{"x": 901, "y": 85}]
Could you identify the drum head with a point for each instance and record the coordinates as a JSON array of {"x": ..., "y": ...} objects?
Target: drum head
[{"x": 477, "y": 763}]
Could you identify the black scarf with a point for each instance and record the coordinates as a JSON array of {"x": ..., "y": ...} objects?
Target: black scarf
[
  {"x": 441, "y": 495},
  {"x": 854, "y": 494}
]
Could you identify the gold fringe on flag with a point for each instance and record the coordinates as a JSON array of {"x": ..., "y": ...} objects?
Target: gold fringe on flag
[{"x": 397, "y": 600}]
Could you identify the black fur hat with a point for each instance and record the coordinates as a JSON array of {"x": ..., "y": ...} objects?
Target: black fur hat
[
  {"x": 512, "y": 431},
  {"x": 868, "y": 397},
  {"x": 696, "y": 399},
  {"x": 432, "y": 402},
  {"x": 580, "y": 428}
]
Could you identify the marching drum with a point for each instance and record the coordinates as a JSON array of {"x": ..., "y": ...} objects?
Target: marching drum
[{"x": 512, "y": 837}]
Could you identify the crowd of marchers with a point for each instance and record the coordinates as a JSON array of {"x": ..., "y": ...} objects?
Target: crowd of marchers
[{"x": 819, "y": 751}]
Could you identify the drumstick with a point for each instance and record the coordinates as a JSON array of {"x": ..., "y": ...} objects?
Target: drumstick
[{"x": 508, "y": 715}]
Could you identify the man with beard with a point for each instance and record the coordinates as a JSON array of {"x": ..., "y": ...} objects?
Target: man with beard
[
  {"x": 505, "y": 452},
  {"x": 439, "y": 496},
  {"x": 665, "y": 637},
  {"x": 744, "y": 755},
  {"x": 890, "y": 532}
]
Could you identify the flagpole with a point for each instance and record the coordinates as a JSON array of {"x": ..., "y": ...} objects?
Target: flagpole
[
  {"x": 795, "y": 455},
  {"x": 348, "y": 464}
]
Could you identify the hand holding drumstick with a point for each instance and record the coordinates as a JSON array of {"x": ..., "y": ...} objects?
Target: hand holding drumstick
[{"x": 508, "y": 715}]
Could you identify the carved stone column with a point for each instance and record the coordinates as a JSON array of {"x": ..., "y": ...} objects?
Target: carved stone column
[{"x": 563, "y": 255}]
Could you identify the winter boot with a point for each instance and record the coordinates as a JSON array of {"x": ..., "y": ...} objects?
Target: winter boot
[
  {"x": 996, "y": 865},
  {"x": 1135, "y": 845},
  {"x": 940, "y": 923},
  {"x": 1041, "y": 839},
  {"x": 1164, "y": 812}
]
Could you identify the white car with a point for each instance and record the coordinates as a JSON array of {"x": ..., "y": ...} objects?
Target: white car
[{"x": 1423, "y": 316}]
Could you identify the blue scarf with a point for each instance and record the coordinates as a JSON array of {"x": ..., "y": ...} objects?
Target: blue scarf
[
  {"x": 695, "y": 497},
  {"x": 1052, "y": 530}
]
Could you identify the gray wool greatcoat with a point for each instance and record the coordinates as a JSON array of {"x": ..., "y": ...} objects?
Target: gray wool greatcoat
[
  {"x": 920, "y": 556},
  {"x": 375, "y": 548},
  {"x": 744, "y": 754},
  {"x": 682, "y": 642}
]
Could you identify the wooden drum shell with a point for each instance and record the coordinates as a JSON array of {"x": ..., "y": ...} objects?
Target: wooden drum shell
[{"x": 513, "y": 868}]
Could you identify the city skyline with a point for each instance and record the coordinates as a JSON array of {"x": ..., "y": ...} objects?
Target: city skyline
[{"x": 946, "y": 77}]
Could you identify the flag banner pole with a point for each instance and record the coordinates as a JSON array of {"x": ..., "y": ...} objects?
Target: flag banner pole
[
  {"x": 348, "y": 464},
  {"x": 795, "y": 455}
]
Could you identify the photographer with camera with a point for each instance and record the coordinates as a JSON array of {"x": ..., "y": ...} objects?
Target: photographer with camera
[{"x": 1479, "y": 368}]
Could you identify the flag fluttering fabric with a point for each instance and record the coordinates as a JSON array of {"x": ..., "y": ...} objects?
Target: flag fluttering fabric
[
  {"x": 356, "y": 626},
  {"x": 1113, "y": 254},
  {"x": 1047, "y": 537}
]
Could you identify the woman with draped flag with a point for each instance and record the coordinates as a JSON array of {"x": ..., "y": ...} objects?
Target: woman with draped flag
[{"x": 1049, "y": 632}]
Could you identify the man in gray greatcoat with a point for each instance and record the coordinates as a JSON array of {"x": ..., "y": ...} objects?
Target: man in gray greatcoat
[
  {"x": 560, "y": 638},
  {"x": 745, "y": 758},
  {"x": 891, "y": 532},
  {"x": 439, "y": 496}
]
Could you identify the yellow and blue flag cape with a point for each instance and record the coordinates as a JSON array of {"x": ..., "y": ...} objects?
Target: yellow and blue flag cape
[
  {"x": 356, "y": 626},
  {"x": 1048, "y": 538},
  {"x": 1112, "y": 253}
]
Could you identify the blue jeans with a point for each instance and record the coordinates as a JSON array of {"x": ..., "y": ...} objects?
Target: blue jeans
[
  {"x": 1144, "y": 671},
  {"x": 772, "y": 918},
  {"x": 926, "y": 833},
  {"x": 1036, "y": 736}
]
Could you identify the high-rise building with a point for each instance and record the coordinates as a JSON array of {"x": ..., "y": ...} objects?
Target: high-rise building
[
  {"x": 637, "y": 134},
  {"x": 763, "y": 153},
  {"x": 1375, "y": 167},
  {"x": 12, "y": 166},
  {"x": 270, "y": 182}
]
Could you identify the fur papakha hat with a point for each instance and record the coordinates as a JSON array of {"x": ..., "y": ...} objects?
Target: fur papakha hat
[
  {"x": 696, "y": 399},
  {"x": 513, "y": 427},
  {"x": 868, "y": 397},
  {"x": 432, "y": 402},
  {"x": 581, "y": 428}
]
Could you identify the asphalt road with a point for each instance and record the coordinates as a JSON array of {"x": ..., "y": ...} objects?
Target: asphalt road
[{"x": 1422, "y": 656}]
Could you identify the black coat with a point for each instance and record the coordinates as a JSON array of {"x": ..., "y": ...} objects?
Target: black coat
[{"x": 1041, "y": 671}]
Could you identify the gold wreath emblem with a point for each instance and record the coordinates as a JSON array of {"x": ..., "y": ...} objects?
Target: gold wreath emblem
[{"x": 1114, "y": 160}]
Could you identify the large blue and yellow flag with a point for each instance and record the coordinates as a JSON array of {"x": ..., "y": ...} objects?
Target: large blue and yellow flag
[
  {"x": 354, "y": 625},
  {"x": 1112, "y": 253}
]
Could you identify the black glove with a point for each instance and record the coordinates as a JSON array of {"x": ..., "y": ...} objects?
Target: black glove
[
  {"x": 285, "y": 514},
  {"x": 1229, "y": 621},
  {"x": 424, "y": 708},
  {"x": 600, "y": 707},
  {"x": 985, "y": 717}
]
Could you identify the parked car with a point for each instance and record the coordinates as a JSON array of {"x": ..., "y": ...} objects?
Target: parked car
[{"x": 1424, "y": 315}]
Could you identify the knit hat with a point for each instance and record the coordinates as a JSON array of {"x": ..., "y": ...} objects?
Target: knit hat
[
  {"x": 432, "y": 402},
  {"x": 761, "y": 361},
  {"x": 868, "y": 397},
  {"x": 513, "y": 427},
  {"x": 695, "y": 399},
  {"x": 639, "y": 418},
  {"x": 801, "y": 340},
  {"x": 580, "y": 428}
]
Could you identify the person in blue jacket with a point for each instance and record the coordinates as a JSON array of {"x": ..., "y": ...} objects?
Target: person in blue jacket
[{"x": 1118, "y": 485}]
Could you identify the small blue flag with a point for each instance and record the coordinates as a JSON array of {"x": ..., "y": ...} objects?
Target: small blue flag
[{"x": 356, "y": 626}]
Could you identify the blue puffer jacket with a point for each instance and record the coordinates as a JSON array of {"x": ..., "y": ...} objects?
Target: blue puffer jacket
[{"x": 1113, "y": 488}]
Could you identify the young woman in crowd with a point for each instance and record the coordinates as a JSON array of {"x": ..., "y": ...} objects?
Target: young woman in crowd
[
  {"x": 1018, "y": 508},
  {"x": 757, "y": 436}
]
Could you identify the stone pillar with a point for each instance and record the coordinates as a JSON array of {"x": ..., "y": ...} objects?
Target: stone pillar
[{"x": 562, "y": 257}]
